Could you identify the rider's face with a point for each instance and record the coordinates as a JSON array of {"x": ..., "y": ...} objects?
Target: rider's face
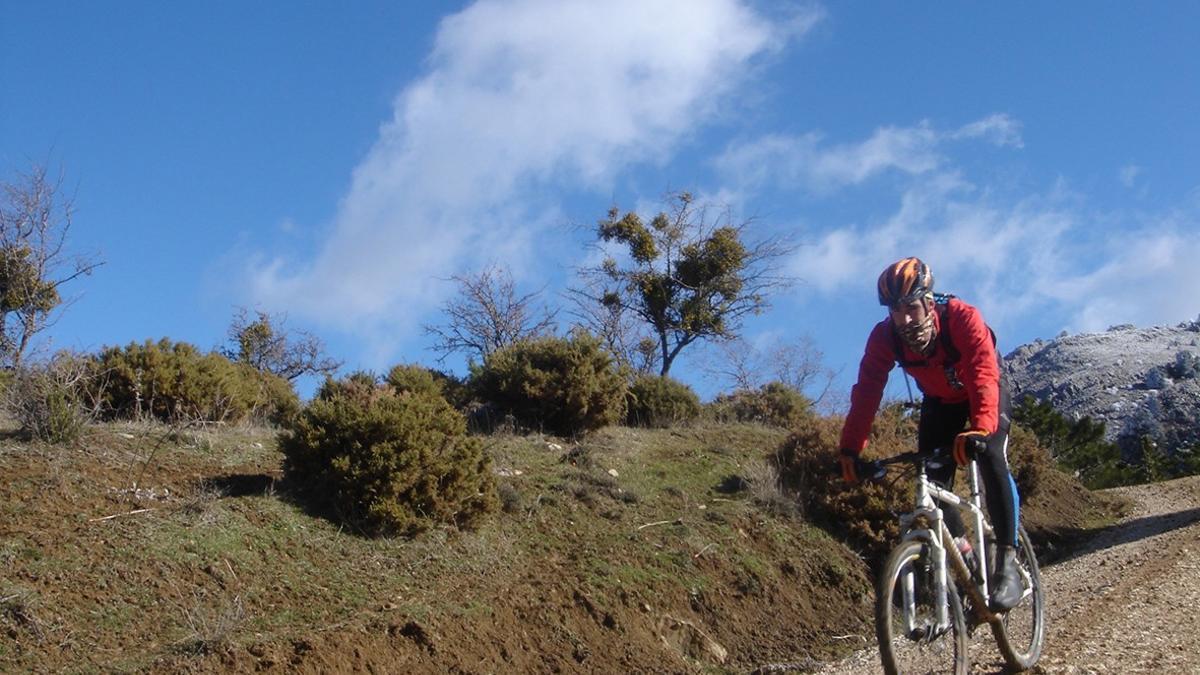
[
  {"x": 908, "y": 314},
  {"x": 911, "y": 320}
]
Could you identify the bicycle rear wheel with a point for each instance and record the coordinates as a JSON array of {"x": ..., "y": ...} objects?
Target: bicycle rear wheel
[
  {"x": 906, "y": 617},
  {"x": 1021, "y": 632}
]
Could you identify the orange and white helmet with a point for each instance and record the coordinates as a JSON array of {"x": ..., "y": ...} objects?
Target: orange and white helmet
[{"x": 905, "y": 281}]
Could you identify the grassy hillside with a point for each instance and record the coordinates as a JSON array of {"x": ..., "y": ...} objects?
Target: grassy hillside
[{"x": 152, "y": 549}]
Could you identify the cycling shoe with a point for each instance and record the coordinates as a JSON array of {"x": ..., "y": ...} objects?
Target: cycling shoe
[{"x": 1006, "y": 582}]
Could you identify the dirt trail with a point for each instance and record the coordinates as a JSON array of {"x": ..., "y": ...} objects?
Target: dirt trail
[{"x": 1124, "y": 603}]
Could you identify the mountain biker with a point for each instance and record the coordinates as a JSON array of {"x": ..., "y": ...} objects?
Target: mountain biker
[{"x": 944, "y": 344}]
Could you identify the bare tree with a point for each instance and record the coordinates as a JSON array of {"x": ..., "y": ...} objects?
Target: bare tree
[
  {"x": 262, "y": 342},
  {"x": 798, "y": 363},
  {"x": 35, "y": 219},
  {"x": 739, "y": 365},
  {"x": 619, "y": 330},
  {"x": 691, "y": 274},
  {"x": 487, "y": 314}
]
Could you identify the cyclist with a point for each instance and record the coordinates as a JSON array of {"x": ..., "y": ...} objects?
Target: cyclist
[{"x": 944, "y": 344}]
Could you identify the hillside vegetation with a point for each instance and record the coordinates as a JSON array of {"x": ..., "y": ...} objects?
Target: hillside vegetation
[
  {"x": 148, "y": 547},
  {"x": 416, "y": 522}
]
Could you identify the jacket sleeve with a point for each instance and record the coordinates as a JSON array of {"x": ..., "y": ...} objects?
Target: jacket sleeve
[
  {"x": 877, "y": 361},
  {"x": 979, "y": 368}
]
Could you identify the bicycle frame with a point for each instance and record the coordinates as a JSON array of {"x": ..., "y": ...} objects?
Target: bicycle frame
[{"x": 942, "y": 547}]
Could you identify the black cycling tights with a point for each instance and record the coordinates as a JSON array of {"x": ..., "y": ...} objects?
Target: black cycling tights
[{"x": 940, "y": 423}]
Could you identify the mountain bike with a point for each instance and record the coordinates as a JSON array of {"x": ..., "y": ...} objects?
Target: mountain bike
[{"x": 929, "y": 599}]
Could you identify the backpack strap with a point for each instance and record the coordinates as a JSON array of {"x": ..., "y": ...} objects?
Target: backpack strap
[{"x": 941, "y": 302}]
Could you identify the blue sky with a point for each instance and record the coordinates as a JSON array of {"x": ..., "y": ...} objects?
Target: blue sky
[{"x": 338, "y": 163}]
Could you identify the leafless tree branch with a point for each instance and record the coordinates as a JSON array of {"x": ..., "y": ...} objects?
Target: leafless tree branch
[
  {"x": 798, "y": 363},
  {"x": 487, "y": 314},
  {"x": 35, "y": 220}
]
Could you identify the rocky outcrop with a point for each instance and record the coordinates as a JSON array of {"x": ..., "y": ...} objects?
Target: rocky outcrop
[{"x": 1138, "y": 381}]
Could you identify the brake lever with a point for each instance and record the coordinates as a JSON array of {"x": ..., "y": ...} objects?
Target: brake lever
[{"x": 873, "y": 472}]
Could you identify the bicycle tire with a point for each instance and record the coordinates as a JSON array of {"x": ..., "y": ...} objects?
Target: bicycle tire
[
  {"x": 921, "y": 652},
  {"x": 1022, "y": 631}
]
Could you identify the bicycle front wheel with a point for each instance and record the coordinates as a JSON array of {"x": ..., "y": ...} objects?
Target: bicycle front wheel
[
  {"x": 910, "y": 639},
  {"x": 1022, "y": 630}
]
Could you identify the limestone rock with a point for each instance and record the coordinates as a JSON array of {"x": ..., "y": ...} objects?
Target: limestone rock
[{"x": 1140, "y": 381}]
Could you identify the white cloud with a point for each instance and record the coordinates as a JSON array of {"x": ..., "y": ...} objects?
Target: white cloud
[
  {"x": 804, "y": 161},
  {"x": 998, "y": 128},
  {"x": 520, "y": 94},
  {"x": 1147, "y": 277},
  {"x": 846, "y": 256},
  {"x": 1044, "y": 256},
  {"x": 836, "y": 261},
  {"x": 909, "y": 150}
]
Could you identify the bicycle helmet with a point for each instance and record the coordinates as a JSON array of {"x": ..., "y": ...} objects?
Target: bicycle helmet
[{"x": 905, "y": 281}]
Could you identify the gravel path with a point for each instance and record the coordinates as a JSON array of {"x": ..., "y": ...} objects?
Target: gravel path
[{"x": 1128, "y": 602}]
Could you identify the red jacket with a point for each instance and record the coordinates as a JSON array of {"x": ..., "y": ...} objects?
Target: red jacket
[{"x": 977, "y": 369}]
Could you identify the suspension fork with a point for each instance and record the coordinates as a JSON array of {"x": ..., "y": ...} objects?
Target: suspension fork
[{"x": 933, "y": 539}]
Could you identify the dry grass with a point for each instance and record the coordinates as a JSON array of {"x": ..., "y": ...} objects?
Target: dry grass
[
  {"x": 212, "y": 624},
  {"x": 18, "y": 609},
  {"x": 767, "y": 490},
  {"x": 201, "y": 501}
]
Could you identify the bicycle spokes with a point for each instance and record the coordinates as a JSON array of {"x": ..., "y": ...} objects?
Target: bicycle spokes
[{"x": 906, "y": 616}]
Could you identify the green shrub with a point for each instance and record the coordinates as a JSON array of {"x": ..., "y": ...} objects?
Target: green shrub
[
  {"x": 174, "y": 381},
  {"x": 47, "y": 399},
  {"x": 456, "y": 390},
  {"x": 363, "y": 382},
  {"x": 1028, "y": 461},
  {"x": 1186, "y": 366},
  {"x": 774, "y": 404},
  {"x": 276, "y": 401},
  {"x": 864, "y": 514},
  {"x": 1076, "y": 446},
  {"x": 655, "y": 401},
  {"x": 388, "y": 462},
  {"x": 414, "y": 379},
  {"x": 564, "y": 386}
]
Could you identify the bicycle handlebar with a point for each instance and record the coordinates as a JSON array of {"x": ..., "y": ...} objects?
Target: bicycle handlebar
[
  {"x": 914, "y": 456},
  {"x": 876, "y": 469}
]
